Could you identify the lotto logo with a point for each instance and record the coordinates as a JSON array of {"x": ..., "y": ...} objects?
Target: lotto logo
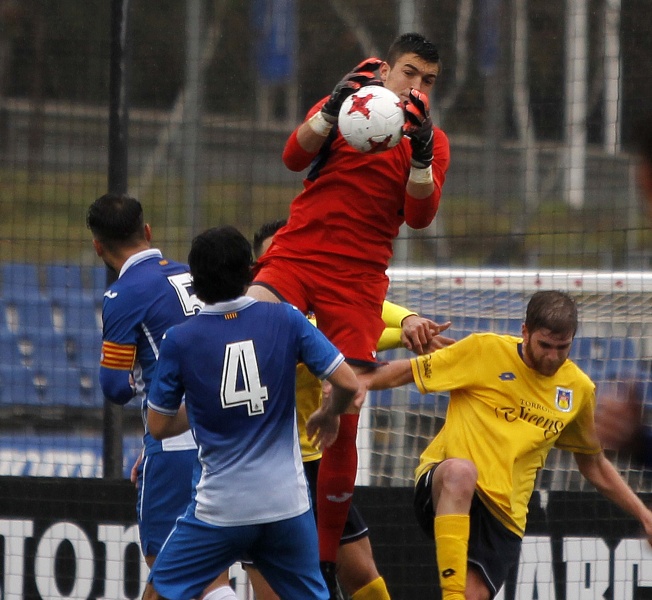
[{"x": 507, "y": 376}]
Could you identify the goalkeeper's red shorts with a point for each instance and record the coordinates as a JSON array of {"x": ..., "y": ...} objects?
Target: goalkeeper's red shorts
[{"x": 347, "y": 304}]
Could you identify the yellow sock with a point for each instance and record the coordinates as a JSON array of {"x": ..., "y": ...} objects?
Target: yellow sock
[
  {"x": 374, "y": 590},
  {"x": 452, "y": 544}
]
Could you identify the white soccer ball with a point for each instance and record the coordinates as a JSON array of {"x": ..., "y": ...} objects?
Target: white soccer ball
[{"x": 371, "y": 119}]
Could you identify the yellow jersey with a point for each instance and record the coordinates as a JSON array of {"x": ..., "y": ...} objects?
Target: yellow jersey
[
  {"x": 309, "y": 386},
  {"x": 505, "y": 417}
]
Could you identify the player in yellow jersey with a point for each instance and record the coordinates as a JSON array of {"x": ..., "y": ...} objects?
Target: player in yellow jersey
[
  {"x": 357, "y": 571},
  {"x": 511, "y": 400}
]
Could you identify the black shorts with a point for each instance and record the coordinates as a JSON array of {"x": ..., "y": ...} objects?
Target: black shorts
[
  {"x": 355, "y": 528},
  {"x": 493, "y": 549}
]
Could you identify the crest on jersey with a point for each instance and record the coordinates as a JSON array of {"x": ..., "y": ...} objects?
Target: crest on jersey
[{"x": 564, "y": 399}]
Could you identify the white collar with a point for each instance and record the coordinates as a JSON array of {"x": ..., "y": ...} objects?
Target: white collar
[
  {"x": 139, "y": 257},
  {"x": 221, "y": 308}
]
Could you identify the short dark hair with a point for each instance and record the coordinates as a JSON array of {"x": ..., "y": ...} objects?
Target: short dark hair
[
  {"x": 552, "y": 310},
  {"x": 264, "y": 231},
  {"x": 220, "y": 264},
  {"x": 116, "y": 220},
  {"x": 412, "y": 43}
]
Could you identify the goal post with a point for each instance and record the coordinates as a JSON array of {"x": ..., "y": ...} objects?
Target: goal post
[{"x": 613, "y": 345}]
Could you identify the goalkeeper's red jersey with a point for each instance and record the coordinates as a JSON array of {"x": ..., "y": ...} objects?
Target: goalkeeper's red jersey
[{"x": 352, "y": 204}]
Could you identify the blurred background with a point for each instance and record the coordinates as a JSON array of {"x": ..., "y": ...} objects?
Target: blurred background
[
  {"x": 187, "y": 106},
  {"x": 541, "y": 100}
]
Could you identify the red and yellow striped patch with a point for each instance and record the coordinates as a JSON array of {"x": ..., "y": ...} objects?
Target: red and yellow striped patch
[
  {"x": 118, "y": 356},
  {"x": 229, "y": 316}
]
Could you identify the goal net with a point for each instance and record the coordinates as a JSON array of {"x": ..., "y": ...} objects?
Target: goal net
[{"x": 613, "y": 346}]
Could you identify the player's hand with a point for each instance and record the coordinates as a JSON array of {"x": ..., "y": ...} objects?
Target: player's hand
[
  {"x": 418, "y": 127},
  {"x": 362, "y": 75},
  {"x": 133, "y": 476},
  {"x": 322, "y": 427},
  {"x": 421, "y": 335},
  {"x": 618, "y": 419},
  {"x": 437, "y": 343}
]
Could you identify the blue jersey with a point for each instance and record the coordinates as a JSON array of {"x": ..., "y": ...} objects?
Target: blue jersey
[
  {"x": 150, "y": 295},
  {"x": 236, "y": 363}
]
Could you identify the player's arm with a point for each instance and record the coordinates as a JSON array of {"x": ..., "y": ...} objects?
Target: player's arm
[
  {"x": 166, "y": 415},
  {"x": 323, "y": 425},
  {"x": 393, "y": 374},
  {"x": 325, "y": 361},
  {"x": 406, "y": 328},
  {"x": 309, "y": 137},
  {"x": 116, "y": 366},
  {"x": 393, "y": 314},
  {"x": 430, "y": 160},
  {"x": 163, "y": 426},
  {"x": 345, "y": 389},
  {"x": 606, "y": 479}
]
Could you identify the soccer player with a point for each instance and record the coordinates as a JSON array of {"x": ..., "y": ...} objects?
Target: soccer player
[
  {"x": 356, "y": 569},
  {"x": 150, "y": 295},
  {"x": 238, "y": 378},
  {"x": 511, "y": 400},
  {"x": 332, "y": 255}
]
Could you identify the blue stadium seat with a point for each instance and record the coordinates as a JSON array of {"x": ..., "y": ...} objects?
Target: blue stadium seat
[
  {"x": 620, "y": 347},
  {"x": 20, "y": 280},
  {"x": 4, "y": 324},
  {"x": 84, "y": 348},
  {"x": 509, "y": 325},
  {"x": 43, "y": 348},
  {"x": 57, "y": 385},
  {"x": 17, "y": 386},
  {"x": 81, "y": 313},
  {"x": 603, "y": 348},
  {"x": 63, "y": 281},
  {"x": 485, "y": 324},
  {"x": 10, "y": 355},
  {"x": 30, "y": 314},
  {"x": 98, "y": 281},
  {"x": 91, "y": 390},
  {"x": 380, "y": 398}
]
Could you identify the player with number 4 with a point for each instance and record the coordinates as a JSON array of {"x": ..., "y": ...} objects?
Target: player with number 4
[
  {"x": 238, "y": 379},
  {"x": 331, "y": 257}
]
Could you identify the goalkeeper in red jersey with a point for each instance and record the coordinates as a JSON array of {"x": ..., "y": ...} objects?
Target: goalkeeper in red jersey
[
  {"x": 356, "y": 569},
  {"x": 331, "y": 257}
]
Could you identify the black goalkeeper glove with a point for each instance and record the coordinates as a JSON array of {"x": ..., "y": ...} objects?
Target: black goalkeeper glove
[
  {"x": 362, "y": 75},
  {"x": 418, "y": 127}
]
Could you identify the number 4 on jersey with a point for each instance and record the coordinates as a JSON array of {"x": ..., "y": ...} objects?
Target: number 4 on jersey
[{"x": 240, "y": 365}]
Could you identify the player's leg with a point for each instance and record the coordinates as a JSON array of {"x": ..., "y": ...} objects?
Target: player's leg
[
  {"x": 350, "y": 316},
  {"x": 493, "y": 551},
  {"x": 195, "y": 554},
  {"x": 220, "y": 589},
  {"x": 279, "y": 281},
  {"x": 262, "y": 589},
  {"x": 358, "y": 573},
  {"x": 286, "y": 555},
  {"x": 452, "y": 490},
  {"x": 474, "y": 550},
  {"x": 165, "y": 486},
  {"x": 356, "y": 568}
]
